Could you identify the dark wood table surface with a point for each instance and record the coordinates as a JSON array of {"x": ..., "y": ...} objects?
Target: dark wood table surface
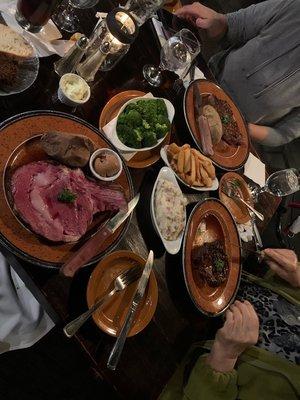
[{"x": 151, "y": 357}]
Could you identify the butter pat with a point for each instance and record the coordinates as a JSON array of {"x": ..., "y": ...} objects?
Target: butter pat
[{"x": 73, "y": 89}]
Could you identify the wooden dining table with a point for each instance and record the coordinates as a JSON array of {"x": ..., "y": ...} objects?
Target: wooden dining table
[{"x": 151, "y": 357}]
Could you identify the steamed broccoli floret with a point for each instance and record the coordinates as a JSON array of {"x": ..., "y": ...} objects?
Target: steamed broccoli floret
[
  {"x": 122, "y": 119},
  {"x": 145, "y": 124},
  {"x": 123, "y": 132},
  {"x": 148, "y": 109},
  {"x": 161, "y": 108},
  {"x": 133, "y": 118},
  {"x": 135, "y": 139},
  {"x": 131, "y": 137},
  {"x": 131, "y": 106},
  {"x": 149, "y": 139},
  {"x": 162, "y": 126}
]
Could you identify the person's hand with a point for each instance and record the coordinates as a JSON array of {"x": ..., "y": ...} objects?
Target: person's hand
[
  {"x": 284, "y": 263},
  {"x": 239, "y": 332},
  {"x": 205, "y": 18}
]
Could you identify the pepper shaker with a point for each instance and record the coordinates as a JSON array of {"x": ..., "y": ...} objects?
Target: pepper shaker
[{"x": 69, "y": 62}]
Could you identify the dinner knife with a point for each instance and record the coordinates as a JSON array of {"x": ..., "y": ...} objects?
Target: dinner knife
[
  {"x": 138, "y": 296},
  {"x": 91, "y": 248}
]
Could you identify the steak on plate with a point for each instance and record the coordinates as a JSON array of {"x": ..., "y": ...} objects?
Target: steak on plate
[
  {"x": 210, "y": 262},
  {"x": 36, "y": 188}
]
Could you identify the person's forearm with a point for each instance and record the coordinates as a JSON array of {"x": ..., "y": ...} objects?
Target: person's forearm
[
  {"x": 258, "y": 132},
  {"x": 218, "y": 360}
]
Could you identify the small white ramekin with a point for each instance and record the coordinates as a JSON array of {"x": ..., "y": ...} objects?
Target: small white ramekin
[
  {"x": 105, "y": 178},
  {"x": 63, "y": 97}
]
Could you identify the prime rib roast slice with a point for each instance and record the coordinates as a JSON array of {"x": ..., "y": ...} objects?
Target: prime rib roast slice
[{"x": 36, "y": 187}]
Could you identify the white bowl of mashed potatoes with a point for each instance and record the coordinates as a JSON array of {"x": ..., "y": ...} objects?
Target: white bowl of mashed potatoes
[
  {"x": 168, "y": 210},
  {"x": 73, "y": 90}
]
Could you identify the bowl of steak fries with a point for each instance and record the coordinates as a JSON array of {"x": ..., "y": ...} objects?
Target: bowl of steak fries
[
  {"x": 211, "y": 257},
  {"x": 216, "y": 124}
]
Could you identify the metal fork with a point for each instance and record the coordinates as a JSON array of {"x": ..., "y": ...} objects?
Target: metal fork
[
  {"x": 120, "y": 283},
  {"x": 234, "y": 195}
]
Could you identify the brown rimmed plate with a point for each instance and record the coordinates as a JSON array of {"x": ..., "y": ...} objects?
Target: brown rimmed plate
[
  {"x": 141, "y": 159},
  {"x": 110, "y": 318},
  {"x": 228, "y": 157},
  {"x": 212, "y": 301},
  {"x": 17, "y": 149},
  {"x": 238, "y": 209}
]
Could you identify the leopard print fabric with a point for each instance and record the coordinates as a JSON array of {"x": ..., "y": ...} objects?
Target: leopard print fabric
[{"x": 275, "y": 334}]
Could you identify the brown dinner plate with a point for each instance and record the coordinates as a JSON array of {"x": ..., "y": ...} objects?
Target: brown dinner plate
[
  {"x": 111, "y": 317},
  {"x": 212, "y": 301},
  {"x": 18, "y": 146},
  {"x": 228, "y": 157},
  {"x": 237, "y": 208},
  {"x": 142, "y": 159}
]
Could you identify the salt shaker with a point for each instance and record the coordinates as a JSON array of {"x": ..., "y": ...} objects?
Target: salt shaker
[{"x": 69, "y": 62}]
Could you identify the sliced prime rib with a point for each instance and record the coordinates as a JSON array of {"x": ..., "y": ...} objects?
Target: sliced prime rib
[{"x": 36, "y": 187}]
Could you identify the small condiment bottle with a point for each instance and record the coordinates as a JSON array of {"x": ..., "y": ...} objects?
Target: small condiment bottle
[{"x": 72, "y": 58}]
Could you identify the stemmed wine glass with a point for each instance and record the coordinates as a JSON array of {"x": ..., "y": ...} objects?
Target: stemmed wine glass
[
  {"x": 176, "y": 55},
  {"x": 281, "y": 183},
  {"x": 65, "y": 17}
]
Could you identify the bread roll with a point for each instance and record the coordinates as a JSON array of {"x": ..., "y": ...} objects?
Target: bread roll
[{"x": 13, "y": 45}]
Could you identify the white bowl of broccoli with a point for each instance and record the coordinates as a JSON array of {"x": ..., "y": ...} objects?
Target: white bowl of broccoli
[{"x": 142, "y": 124}]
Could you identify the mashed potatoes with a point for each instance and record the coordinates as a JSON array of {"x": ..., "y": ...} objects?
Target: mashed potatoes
[{"x": 169, "y": 209}]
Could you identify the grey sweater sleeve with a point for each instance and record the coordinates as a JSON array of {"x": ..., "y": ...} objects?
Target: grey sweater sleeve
[
  {"x": 246, "y": 23},
  {"x": 285, "y": 130}
]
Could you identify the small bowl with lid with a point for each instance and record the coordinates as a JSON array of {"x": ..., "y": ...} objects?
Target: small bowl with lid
[
  {"x": 106, "y": 165},
  {"x": 73, "y": 90}
]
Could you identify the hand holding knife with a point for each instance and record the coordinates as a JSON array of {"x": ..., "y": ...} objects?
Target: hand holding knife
[{"x": 138, "y": 296}]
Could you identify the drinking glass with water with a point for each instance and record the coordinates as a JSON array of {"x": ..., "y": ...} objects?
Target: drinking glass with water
[{"x": 176, "y": 55}]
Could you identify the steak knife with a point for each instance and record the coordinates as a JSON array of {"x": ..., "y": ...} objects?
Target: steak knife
[
  {"x": 138, "y": 296},
  {"x": 91, "y": 248}
]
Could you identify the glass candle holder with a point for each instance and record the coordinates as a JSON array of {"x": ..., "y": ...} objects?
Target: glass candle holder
[{"x": 111, "y": 41}]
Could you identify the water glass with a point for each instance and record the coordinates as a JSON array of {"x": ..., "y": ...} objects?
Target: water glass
[
  {"x": 142, "y": 10},
  {"x": 176, "y": 55},
  {"x": 281, "y": 183}
]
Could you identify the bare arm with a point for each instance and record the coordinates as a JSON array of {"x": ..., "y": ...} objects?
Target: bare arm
[{"x": 284, "y": 131}]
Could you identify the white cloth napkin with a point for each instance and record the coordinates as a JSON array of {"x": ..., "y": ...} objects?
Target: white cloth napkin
[
  {"x": 46, "y": 42},
  {"x": 22, "y": 319},
  {"x": 245, "y": 231},
  {"x": 108, "y": 130},
  {"x": 255, "y": 170}
]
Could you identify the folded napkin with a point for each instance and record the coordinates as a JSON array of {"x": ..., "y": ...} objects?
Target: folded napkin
[
  {"x": 255, "y": 170},
  {"x": 23, "y": 320},
  {"x": 108, "y": 130},
  {"x": 245, "y": 231},
  {"x": 46, "y": 42}
]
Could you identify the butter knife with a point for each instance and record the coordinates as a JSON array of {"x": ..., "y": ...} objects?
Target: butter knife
[
  {"x": 91, "y": 248},
  {"x": 138, "y": 296}
]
